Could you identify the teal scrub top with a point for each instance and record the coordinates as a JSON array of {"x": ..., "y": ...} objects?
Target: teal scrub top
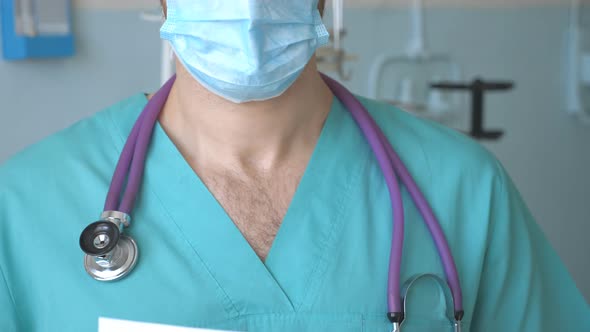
[{"x": 327, "y": 269}]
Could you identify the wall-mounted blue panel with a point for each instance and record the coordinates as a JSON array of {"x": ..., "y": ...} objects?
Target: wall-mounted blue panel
[{"x": 36, "y": 29}]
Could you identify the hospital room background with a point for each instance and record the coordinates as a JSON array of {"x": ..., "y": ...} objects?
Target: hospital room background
[{"x": 515, "y": 74}]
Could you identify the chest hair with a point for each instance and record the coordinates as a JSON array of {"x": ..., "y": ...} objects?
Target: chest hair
[{"x": 257, "y": 204}]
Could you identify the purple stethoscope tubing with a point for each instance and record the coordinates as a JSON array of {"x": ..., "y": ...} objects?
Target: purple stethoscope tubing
[
  {"x": 131, "y": 166},
  {"x": 133, "y": 156},
  {"x": 391, "y": 164}
]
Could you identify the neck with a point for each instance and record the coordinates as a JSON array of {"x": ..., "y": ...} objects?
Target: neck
[{"x": 256, "y": 135}]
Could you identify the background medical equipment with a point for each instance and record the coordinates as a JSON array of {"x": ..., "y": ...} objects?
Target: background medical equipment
[
  {"x": 111, "y": 255},
  {"x": 36, "y": 29},
  {"x": 408, "y": 75},
  {"x": 333, "y": 57},
  {"x": 424, "y": 83},
  {"x": 577, "y": 66},
  {"x": 168, "y": 62},
  {"x": 478, "y": 89}
]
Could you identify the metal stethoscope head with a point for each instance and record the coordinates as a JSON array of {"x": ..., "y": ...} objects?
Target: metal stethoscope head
[{"x": 110, "y": 255}]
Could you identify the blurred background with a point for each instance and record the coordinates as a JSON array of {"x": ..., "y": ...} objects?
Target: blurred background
[{"x": 514, "y": 74}]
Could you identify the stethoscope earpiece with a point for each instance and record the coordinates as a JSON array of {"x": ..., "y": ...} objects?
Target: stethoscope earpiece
[{"x": 110, "y": 255}]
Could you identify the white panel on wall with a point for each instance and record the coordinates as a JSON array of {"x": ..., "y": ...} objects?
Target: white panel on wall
[{"x": 117, "y": 4}]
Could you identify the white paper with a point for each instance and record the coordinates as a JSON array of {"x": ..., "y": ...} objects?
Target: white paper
[{"x": 117, "y": 325}]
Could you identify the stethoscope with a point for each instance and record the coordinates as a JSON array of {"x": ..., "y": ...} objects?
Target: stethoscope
[{"x": 111, "y": 254}]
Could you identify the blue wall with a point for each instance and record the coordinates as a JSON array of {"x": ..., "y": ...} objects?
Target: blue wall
[
  {"x": 117, "y": 55},
  {"x": 546, "y": 152}
]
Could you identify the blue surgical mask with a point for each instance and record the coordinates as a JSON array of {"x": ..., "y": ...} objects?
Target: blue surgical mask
[{"x": 245, "y": 50}]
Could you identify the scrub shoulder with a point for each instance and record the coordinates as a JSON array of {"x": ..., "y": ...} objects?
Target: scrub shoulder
[
  {"x": 86, "y": 141},
  {"x": 440, "y": 147},
  {"x": 507, "y": 266},
  {"x": 63, "y": 167},
  {"x": 48, "y": 192}
]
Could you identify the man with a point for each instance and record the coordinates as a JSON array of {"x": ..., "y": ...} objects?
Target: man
[{"x": 263, "y": 208}]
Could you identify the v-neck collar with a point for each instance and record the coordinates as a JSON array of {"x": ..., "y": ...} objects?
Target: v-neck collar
[{"x": 307, "y": 238}]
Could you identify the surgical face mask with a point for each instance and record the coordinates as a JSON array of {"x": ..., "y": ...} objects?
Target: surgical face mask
[{"x": 245, "y": 50}]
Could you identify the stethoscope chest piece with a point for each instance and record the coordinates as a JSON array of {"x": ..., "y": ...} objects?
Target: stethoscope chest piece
[
  {"x": 110, "y": 255},
  {"x": 113, "y": 266}
]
